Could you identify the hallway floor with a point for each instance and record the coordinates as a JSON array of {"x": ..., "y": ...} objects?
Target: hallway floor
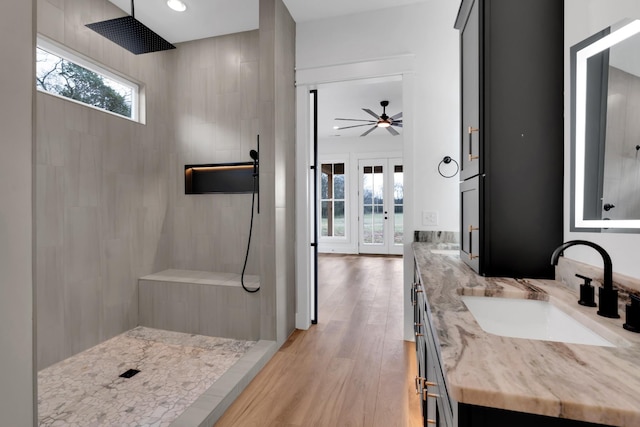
[
  {"x": 352, "y": 368},
  {"x": 175, "y": 368}
]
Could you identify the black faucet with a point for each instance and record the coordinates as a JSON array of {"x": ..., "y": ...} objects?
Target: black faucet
[{"x": 608, "y": 296}]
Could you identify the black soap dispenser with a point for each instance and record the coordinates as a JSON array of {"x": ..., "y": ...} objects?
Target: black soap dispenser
[
  {"x": 586, "y": 292},
  {"x": 633, "y": 315}
]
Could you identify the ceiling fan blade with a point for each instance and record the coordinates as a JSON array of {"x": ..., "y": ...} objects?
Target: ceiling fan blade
[
  {"x": 397, "y": 116},
  {"x": 371, "y": 112},
  {"x": 397, "y": 124},
  {"x": 369, "y": 131},
  {"x": 357, "y": 120},
  {"x": 354, "y": 126},
  {"x": 392, "y": 131}
]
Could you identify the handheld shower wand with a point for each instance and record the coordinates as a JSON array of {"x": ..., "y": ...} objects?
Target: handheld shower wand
[{"x": 254, "y": 155}]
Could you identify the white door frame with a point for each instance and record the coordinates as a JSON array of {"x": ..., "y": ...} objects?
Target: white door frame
[{"x": 306, "y": 80}]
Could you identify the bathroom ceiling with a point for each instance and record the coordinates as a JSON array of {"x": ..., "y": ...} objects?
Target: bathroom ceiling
[{"x": 209, "y": 18}]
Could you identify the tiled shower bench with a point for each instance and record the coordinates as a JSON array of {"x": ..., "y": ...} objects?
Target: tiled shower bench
[{"x": 200, "y": 302}]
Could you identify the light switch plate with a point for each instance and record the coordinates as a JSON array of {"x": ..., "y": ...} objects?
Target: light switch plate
[{"x": 429, "y": 218}]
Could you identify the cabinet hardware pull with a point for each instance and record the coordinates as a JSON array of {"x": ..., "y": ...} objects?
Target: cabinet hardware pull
[
  {"x": 471, "y": 130},
  {"x": 430, "y": 384},
  {"x": 418, "y": 334},
  {"x": 419, "y": 382},
  {"x": 430, "y": 421},
  {"x": 471, "y": 230},
  {"x": 426, "y": 394},
  {"x": 418, "y": 290}
]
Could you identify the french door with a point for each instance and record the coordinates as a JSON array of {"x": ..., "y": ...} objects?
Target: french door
[{"x": 380, "y": 215}]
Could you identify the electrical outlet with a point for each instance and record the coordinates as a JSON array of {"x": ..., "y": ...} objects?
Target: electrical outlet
[{"x": 429, "y": 218}]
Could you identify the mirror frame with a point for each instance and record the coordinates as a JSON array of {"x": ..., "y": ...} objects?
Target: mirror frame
[{"x": 580, "y": 54}]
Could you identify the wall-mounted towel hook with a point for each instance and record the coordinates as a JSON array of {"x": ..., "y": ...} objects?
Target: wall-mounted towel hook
[{"x": 446, "y": 160}]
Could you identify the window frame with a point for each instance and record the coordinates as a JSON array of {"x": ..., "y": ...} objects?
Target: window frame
[
  {"x": 333, "y": 162},
  {"x": 67, "y": 54}
]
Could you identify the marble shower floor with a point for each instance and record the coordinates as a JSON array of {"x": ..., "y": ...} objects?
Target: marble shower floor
[{"x": 175, "y": 368}]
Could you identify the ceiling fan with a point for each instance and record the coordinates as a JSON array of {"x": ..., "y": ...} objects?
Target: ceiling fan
[{"x": 381, "y": 121}]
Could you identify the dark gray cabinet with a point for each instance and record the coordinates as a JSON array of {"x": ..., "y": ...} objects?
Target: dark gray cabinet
[
  {"x": 438, "y": 408},
  {"x": 511, "y": 135}
]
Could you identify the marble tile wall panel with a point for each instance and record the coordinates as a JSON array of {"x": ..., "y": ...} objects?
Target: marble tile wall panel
[
  {"x": 216, "y": 122},
  {"x": 437, "y": 237},
  {"x": 277, "y": 120},
  {"x": 102, "y": 192},
  {"x": 110, "y": 192},
  {"x": 566, "y": 273}
]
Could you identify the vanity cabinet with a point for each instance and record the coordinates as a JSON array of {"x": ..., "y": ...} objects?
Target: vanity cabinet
[
  {"x": 438, "y": 407},
  {"x": 511, "y": 135}
]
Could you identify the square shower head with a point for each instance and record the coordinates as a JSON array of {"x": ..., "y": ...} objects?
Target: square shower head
[{"x": 131, "y": 34}]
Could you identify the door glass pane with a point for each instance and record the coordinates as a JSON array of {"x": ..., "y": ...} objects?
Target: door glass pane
[
  {"x": 367, "y": 224},
  {"x": 332, "y": 195},
  {"x": 373, "y": 204},
  {"x": 398, "y": 204},
  {"x": 338, "y": 219},
  {"x": 326, "y": 218},
  {"x": 398, "y": 224},
  {"x": 378, "y": 226}
]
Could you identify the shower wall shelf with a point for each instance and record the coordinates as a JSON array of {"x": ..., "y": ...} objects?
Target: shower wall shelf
[{"x": 226, "y": 178}]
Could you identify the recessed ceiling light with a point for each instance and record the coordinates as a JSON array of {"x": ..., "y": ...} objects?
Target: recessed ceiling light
[{"x": 177, "y": 5}]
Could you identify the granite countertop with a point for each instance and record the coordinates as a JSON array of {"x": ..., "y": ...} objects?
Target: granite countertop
[{"x": 574, "y": 381}]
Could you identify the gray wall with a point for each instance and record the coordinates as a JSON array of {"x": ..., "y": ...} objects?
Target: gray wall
[
  {"x": 277, "y": 145},
  {"x": 216, "y": 114},
  {"x": 110, "y": 202},
  {"x": 16, "y": 281},
  {"x": 102, "y": 187}
]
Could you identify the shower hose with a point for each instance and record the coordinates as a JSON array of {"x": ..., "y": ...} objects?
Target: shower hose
[{"x": 246, "y": 256}]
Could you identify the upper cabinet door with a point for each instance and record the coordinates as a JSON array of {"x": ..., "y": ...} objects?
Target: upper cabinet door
[{"x": 470, "y": 92}]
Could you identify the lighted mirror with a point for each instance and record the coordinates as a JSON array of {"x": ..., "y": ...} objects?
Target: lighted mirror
[{"x": 605, "y": 161}]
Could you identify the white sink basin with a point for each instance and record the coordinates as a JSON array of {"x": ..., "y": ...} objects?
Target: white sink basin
[{"x": 530, "y": 319}]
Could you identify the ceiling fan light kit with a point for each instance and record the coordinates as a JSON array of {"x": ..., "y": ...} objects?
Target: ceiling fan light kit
[{"x": 381, "y": 121}]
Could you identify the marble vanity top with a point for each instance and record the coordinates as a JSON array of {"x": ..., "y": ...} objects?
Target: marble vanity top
[{"x": 574, "y": 381}]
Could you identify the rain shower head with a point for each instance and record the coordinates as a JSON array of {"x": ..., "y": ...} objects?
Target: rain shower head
[{"x": 131, "y": 34}]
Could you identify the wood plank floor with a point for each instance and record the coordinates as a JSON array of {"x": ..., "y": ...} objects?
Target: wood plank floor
[{"x": 352, "y": 368}]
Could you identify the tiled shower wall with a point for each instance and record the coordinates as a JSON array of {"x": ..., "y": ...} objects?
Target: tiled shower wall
[
  {"x": 277, "y": 124},
  {"x": 102, "y": 187},
  {"x": 110, "y": 204},
  {"x": 216, "y": 115}
]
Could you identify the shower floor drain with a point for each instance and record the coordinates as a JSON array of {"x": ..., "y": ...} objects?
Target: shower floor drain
[{"x": 129, "y": 373}]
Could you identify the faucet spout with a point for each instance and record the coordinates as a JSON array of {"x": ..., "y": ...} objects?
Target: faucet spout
[{"x": 607, "y": 295}]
